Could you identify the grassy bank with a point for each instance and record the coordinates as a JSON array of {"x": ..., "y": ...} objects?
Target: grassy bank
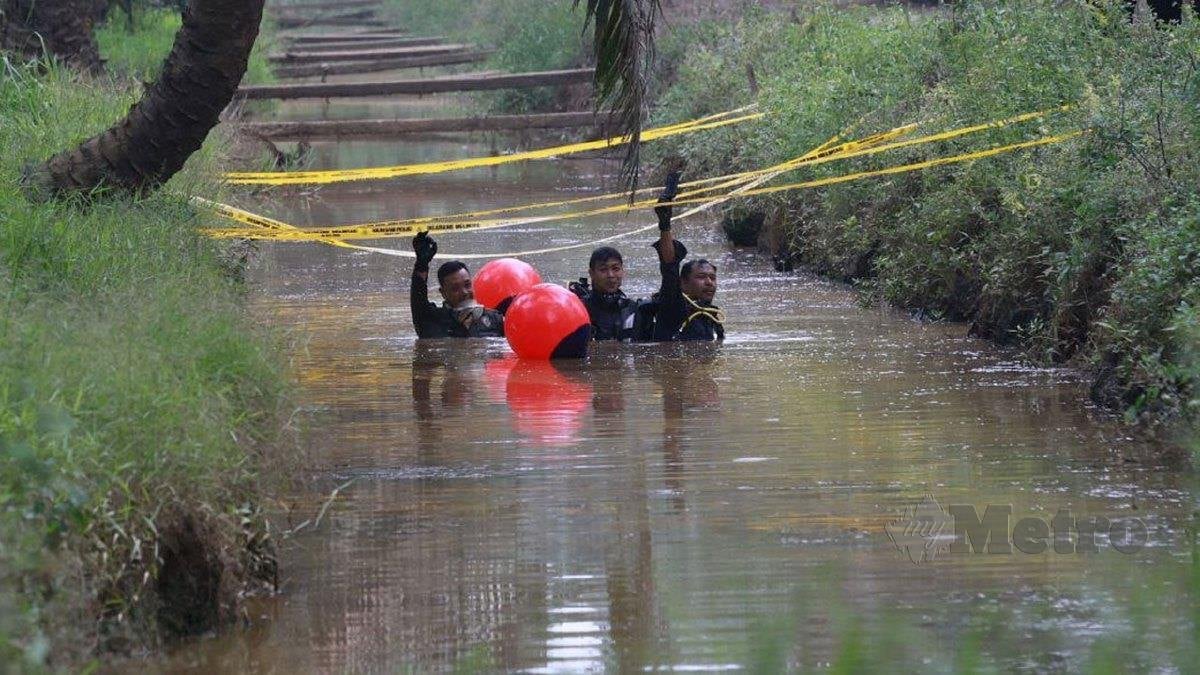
[
  {"x": 137, "y": 399},
  {"x": 1085, "y": 252},
  {"x": 525, "y": 36}
]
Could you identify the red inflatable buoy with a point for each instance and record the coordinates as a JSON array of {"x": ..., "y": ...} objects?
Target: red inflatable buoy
[
  {"x": 548, "y": 322},
  {"x": 503, "y": 279}
]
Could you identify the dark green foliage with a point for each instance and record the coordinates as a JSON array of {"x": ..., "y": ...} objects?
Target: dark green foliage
[
  {"x": 624, "y": 52},
  {"x": 742, "y": 226},
  {"x": 1082, "y": 252}
]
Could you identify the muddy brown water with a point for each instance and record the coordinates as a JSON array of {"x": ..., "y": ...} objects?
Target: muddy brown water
[{"x": 679, "y": 507}]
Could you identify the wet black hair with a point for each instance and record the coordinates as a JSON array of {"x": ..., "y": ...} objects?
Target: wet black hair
[
  {"x": 603, "y": 255},
  {"x": 686, "y": 270},
  {"x": 449, "y": 268}
]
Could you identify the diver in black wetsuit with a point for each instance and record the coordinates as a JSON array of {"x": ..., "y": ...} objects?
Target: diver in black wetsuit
[
  {"x": 459, "y": 315},
  {"x": 684, "y": 301},
  {"x": 614, "y": 315}
]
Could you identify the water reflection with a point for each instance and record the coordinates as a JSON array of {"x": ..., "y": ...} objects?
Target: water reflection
[
  {"x": 547, "y": 401},
  {"x": 440, "y": 386},
  {"x": 656, "y": 504},
  {"x": 689, "y": 391}
]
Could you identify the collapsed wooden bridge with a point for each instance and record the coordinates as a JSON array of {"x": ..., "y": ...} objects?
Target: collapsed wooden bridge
[
  {"x": 327, "y": 68},
  {"x": 364, "y": 18},
  {"x": 356, "y": 36},
  {"x": 364, "y": 42},
  {"x": 369, "y": 54},
  {"x": 435, "y": 85},
  {"x": 325, "y": 6},
  {"x": 358, "y": 129},
  {"x": 381, "y": 42}
]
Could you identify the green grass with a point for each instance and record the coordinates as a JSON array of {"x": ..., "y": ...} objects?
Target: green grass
[
  {"x": 1084, "y": 252},
  {"x": 134, "y": 390},
  {"x": 138, "y": 54}
]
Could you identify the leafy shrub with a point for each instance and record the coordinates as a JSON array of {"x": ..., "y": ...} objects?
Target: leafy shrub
[{"x": 1083, "y": 251}]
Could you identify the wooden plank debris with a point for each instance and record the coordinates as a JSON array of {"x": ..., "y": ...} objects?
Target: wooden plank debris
[
  {"x": 294, "y": 57},
  {"x": 422, "y": 86},
  {"x": 349, "y": 129},
  {"x": 359, "y": 67}
]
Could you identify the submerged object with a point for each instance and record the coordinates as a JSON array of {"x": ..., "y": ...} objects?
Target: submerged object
[
  {"x": 502, "y": 279},
  {"x": 548, "y": 322}
]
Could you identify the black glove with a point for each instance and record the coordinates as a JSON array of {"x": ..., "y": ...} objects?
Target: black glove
[
  {"x": 580, "y": 288},
  {"x": 425, "y": 248},
  {"x": 668, "y": 194}
]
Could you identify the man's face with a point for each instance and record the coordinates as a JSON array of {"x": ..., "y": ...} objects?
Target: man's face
[
  {"x": 701, "y": 284},
  {"x": 607, "y": 275},
  {"x": 456, "y": 288}
]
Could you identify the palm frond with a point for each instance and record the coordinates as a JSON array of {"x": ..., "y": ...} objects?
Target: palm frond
[{"x": 624, "y": 51}]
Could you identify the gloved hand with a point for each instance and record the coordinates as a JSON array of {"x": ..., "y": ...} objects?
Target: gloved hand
[
  {"x": 580, "y": 288},
  {"x": 425, "y": 248},
  {"x": 668, "y": 194}
]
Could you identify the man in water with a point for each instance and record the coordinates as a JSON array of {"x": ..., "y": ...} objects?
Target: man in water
[
  {"x": 459, "y": 315},
  {"x": 614, "y": 315},
  {"x": 685, "y": 310}
]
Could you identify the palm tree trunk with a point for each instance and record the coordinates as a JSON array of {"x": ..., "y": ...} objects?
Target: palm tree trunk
[
  {"x": 624, "y": 52},
  {"x": 199, "y": 78},
  {"x": 62, "y": 29}
]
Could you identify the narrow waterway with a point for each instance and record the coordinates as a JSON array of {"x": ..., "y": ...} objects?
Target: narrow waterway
[{"x": 665, "y": 506}]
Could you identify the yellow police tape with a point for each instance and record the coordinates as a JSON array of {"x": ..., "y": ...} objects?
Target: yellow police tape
[
  {"x": 267, "y": 224},
  {"x": 462, "y": 223},
  {"x": 746, "y": 191},
  {"x": 472, "y": 218},
  {"x": 869, "y": 145},
  {"x": 378, "y": 173},
  {"x": 754, "y": 182},
  {"x": 822, "y": 154},
  {"x": 352, "y": 232},
  {"x": 702, "y": 185}
]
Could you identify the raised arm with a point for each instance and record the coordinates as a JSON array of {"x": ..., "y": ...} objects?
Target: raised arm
[
  {"x": 418, "y": 296},
  {"x": 666, "y": 246},
  {"x": 670, "y": 251}
]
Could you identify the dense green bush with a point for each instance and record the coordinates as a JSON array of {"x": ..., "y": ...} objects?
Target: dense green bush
[
  {"x": 135, "y": 395},
  {"x": 1085, "y": 251},
  {"x": 138, "y": 54}
]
